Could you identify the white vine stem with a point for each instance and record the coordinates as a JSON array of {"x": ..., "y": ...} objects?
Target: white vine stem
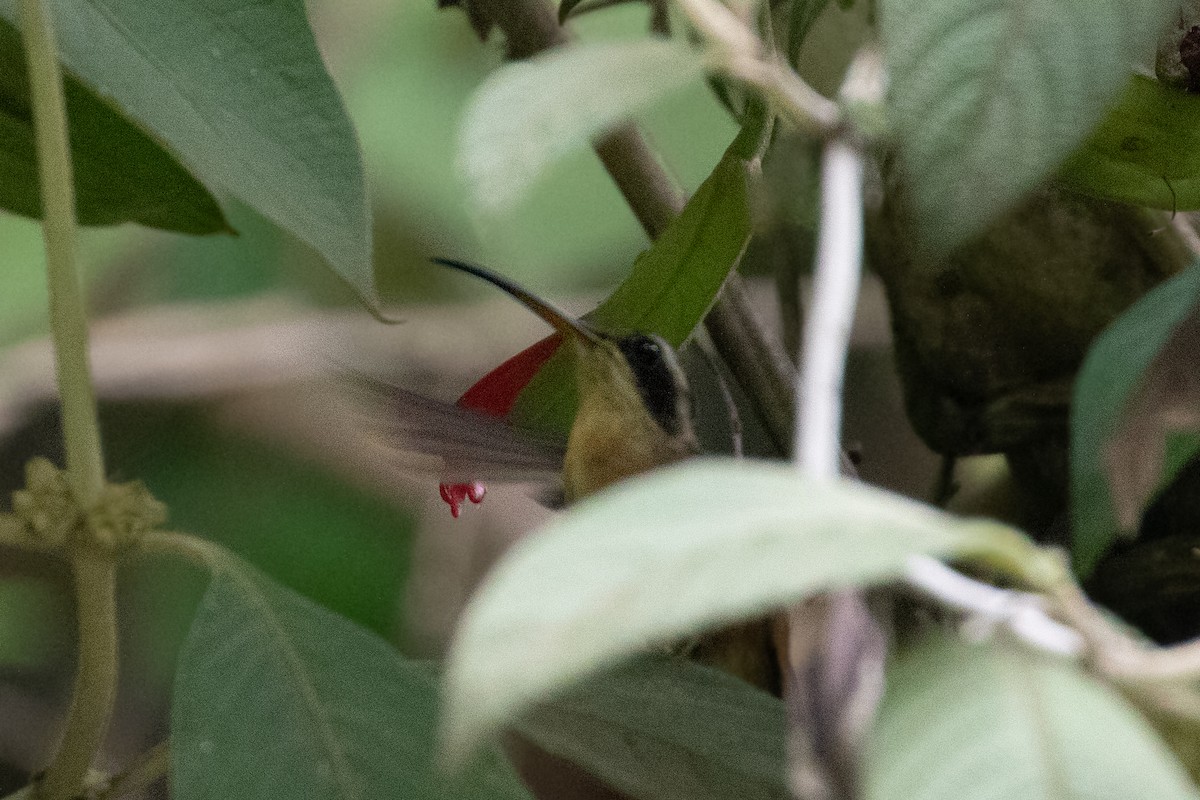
[
  {"x": 736, "y": 49},
  {"x": 831, "y": 312},
  {"x": 826, "y": 345}
]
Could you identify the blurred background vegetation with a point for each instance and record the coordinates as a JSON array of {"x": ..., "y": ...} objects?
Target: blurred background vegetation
[{"x": 210, "y": 354}]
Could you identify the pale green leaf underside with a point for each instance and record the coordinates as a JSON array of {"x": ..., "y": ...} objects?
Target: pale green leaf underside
[
  {"x": 276, "y": 697},
  {"x": 1110, "y": 375},
  {"x": 1145, "y": 152},
  {"x": 239, "y": 93},
  {"x": 962, "y": 721},
  {"x": 531, "y": 113},
  {"x": 673, "y": 553},
  {"x": 988, "y": 96}
]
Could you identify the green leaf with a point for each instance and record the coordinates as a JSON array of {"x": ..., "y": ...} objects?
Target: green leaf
[
  {"x": 668, "y": 728},
  {"x": 691, "y": 547},
  {"x": 302, "y": 524},
  {"x": 1118, "y": 366},
  {"x": 238, "y": 91},
  {"x": 530, "y": 113},
  {"x": 121, "y": 174},
  {"x": 276, "y": 697},
  {"x": 802, "y": 16},
  {"x": 1146, "y": 151},
  {"x": 964, "y": 721},
  {"x": 669, "y": 289},
  {"x": 988, "y": 96}
]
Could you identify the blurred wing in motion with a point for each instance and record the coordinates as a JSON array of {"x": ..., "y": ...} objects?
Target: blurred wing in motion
[{"x": 473, "y": 446}]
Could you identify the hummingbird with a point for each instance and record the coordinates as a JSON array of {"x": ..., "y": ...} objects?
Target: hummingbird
[{"x": 634, "y": 413}]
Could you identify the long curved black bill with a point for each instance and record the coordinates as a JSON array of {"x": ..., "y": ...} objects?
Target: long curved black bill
[{"x": 567, "y": 325}]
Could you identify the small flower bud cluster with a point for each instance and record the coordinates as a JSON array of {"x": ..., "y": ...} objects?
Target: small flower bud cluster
[
  {"x": 51, "y": 513},
  {"x": 47, "y": 505},
  {"x": 124, "y": 513}
]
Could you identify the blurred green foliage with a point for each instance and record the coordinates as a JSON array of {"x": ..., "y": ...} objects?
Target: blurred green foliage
[{"x": 340, "y": 545}]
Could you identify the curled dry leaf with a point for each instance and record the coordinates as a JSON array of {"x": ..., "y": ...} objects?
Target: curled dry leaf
[{"x": 1166, "y": 405}]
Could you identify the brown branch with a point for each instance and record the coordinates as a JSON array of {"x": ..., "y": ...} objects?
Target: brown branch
[
  {"x": 651, "y": 194},
  {"x": 757, "y": 362}
]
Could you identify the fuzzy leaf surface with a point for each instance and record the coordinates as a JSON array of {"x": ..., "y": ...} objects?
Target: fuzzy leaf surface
[
  {"x": 989, "y": 96},
  {"x": 530, "y": 113},
  {"x": 965, "y": 721},
  {"x": 691, "y": 547}
]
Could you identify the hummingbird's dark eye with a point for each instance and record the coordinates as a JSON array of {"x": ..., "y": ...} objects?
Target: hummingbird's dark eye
[{"x": 655, "y": 380}]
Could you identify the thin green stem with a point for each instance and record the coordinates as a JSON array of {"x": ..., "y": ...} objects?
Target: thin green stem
[
  {"x": 95, "y": 677},
  {"x": 94, "y": 573},
  {"x": 68, "y": 319},
  {"x": 200, "y": 552}
]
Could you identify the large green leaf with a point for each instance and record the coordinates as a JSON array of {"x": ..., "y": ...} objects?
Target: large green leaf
[
  {"x": 670, "y": 288},
  {"x": 988, "y": 96},
  {"x": 121, "y": 174},
  {"x": 276, "y": 697},
  {"x": 239, "y": 93},
  {"x": 1118, "y": 365},
  {"x": 530, "y": 113},
  {"x": 691, "y": 547},
  {"x": 964, "y": 721},
  {"x": 1145, "y": 152},
  {"x": 669, "y": 729}
]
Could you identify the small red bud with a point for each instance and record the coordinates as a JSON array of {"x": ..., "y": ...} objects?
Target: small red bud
[{"x": 455, "y": 493}]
